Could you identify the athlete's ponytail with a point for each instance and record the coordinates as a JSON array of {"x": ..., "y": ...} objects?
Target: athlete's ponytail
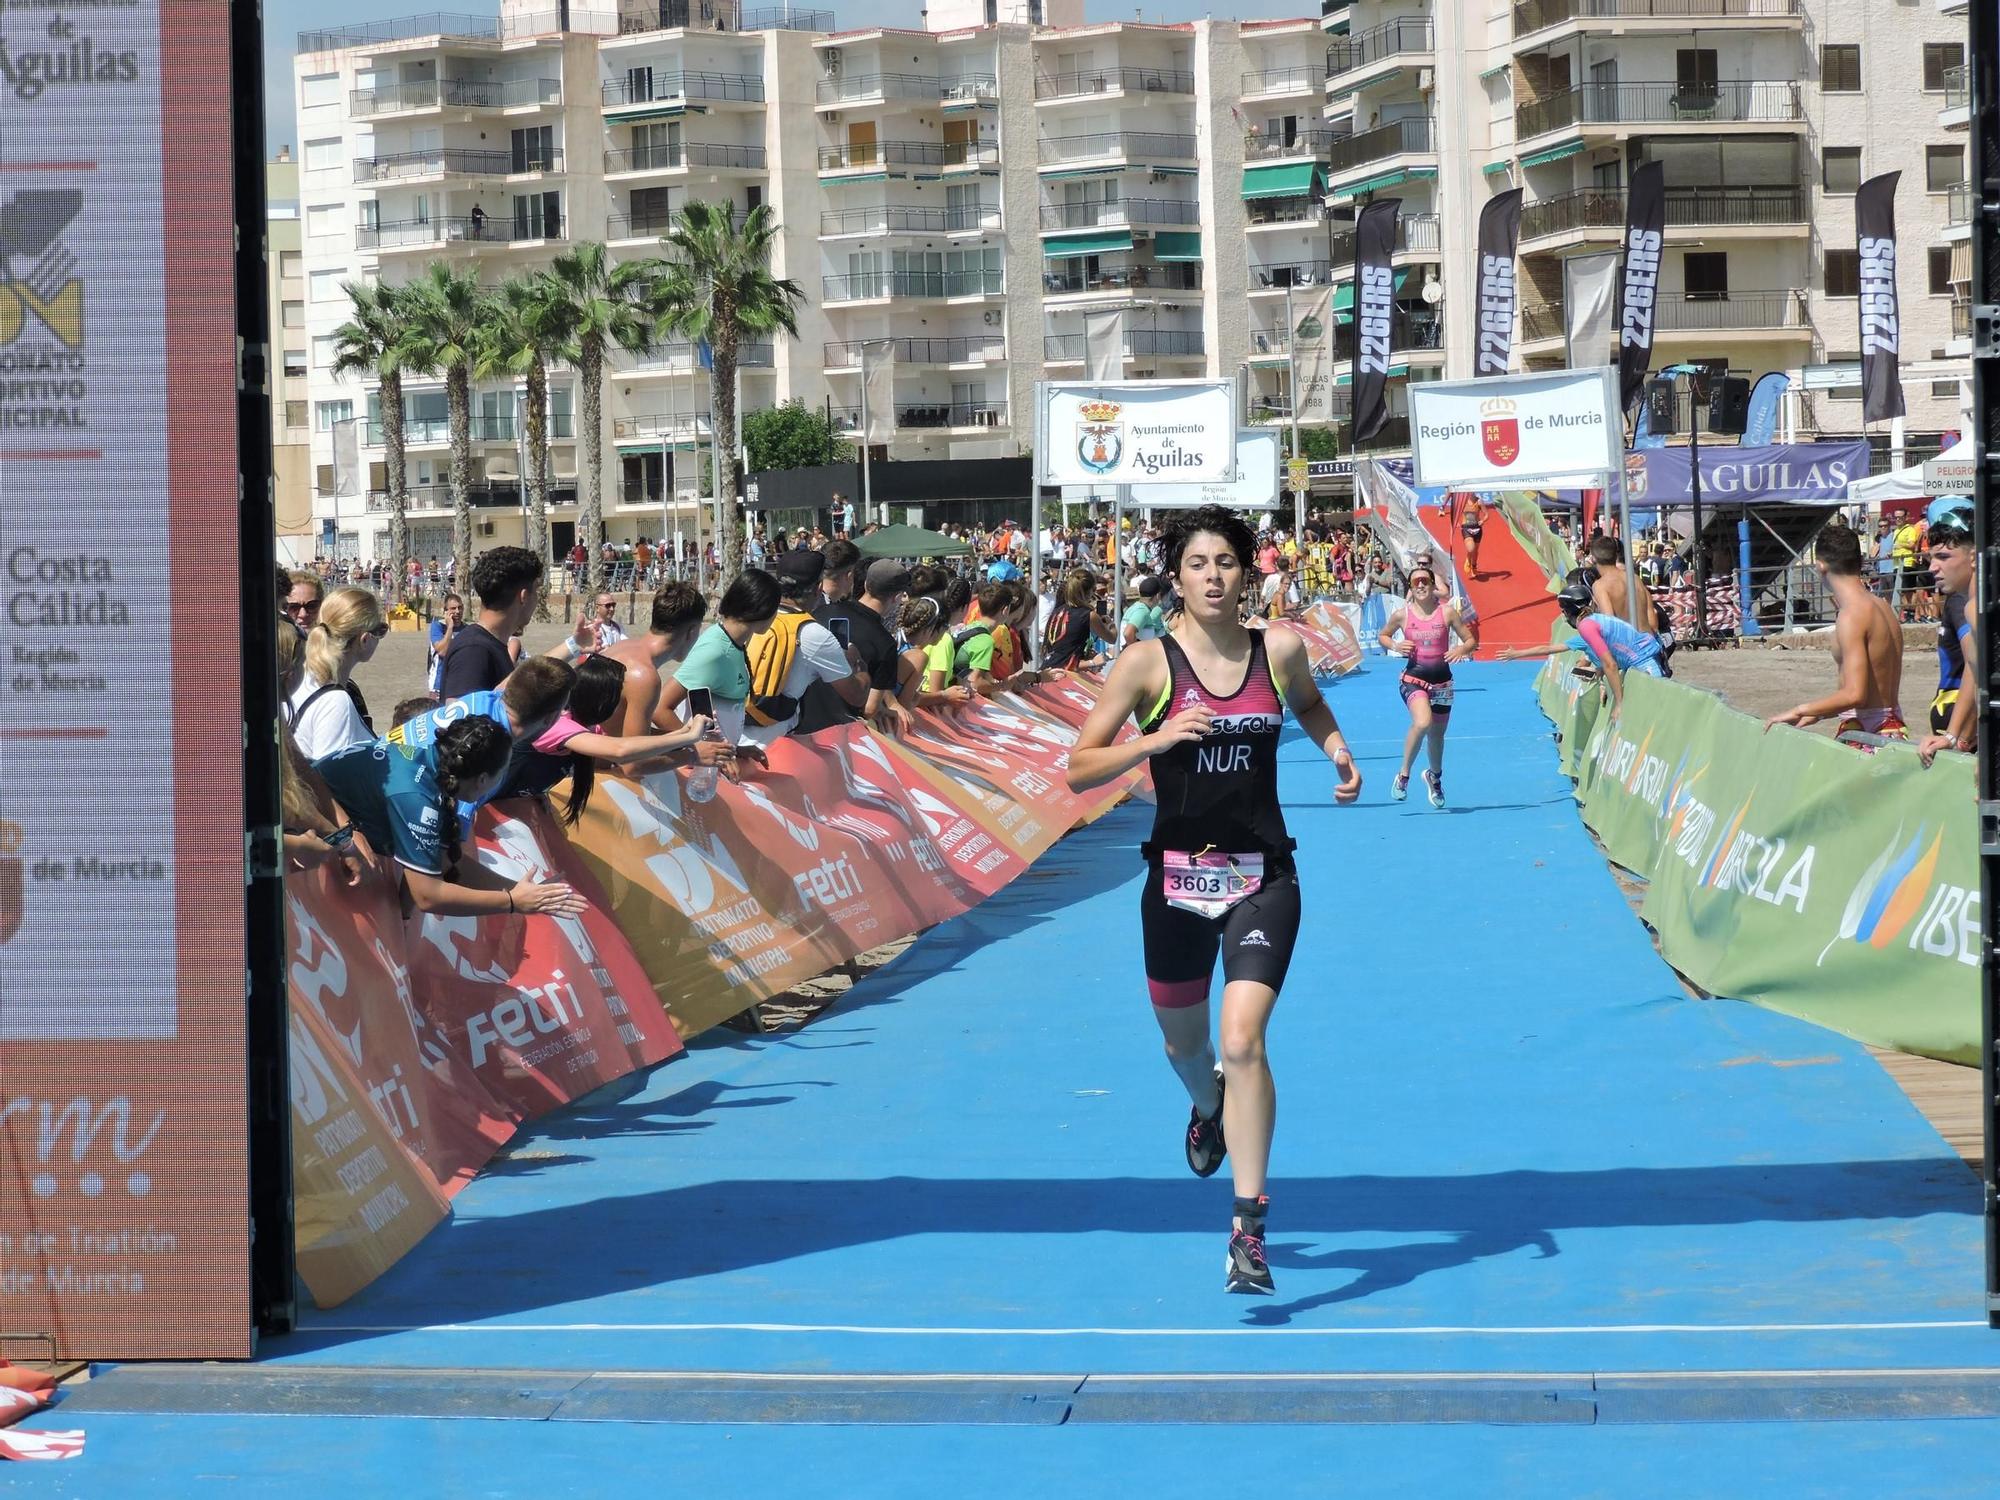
[{"x": 468, "y": 750}]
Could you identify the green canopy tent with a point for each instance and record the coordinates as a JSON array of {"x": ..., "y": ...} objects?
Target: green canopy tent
[{"x": 911, "y": 541}]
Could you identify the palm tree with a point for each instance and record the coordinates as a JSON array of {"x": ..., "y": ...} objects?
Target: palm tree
[
  {"x": 526, "y": 327},
  {"x": 606, "y": 306},
  {"x": 374, "y": 342},
  {"x": 444, "y": 314},
  {"x": 719, "y": 287}
]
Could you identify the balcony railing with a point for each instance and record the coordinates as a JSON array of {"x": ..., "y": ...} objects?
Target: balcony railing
[
  {"x": 1410, "y": 328},
  {"x": 672, "y": 425},
  {"x": 680, "y": 355},
  {"x": 1406, "y": 34},
  {"x": 433, "y": 432},
  {"x": 1150, "y": 145},
  {"x": 1397, "y": 138},
  {"x": 1140, "y": 343},
  {"x": 636, "y": 16},
  {"x": 871, "y": 285},
  {"x": 404, "y": 164},
  {"x": 455, "y": 25},
  {"x": 484, "y": 494},
  {"x": 1718, "y": 207},
  {"x": 454, "y": 93},
  {"x": 920, "y": 415},
  {"x": 1957, "y": 95},
  {"x": 900, "y": 218},
  {"x": 1284, "y": 211},
  {"x": 1958, "y": 204},
  {"x": 1542, "y": 320},
  {"x": 1124, "y": 211},
  {"x": 1277, "y": 80},
  {"x": 785, "y": 18},
  {"x": 649, "y": 88},
  {"x": 971, "y": 349},
  {"x": 406, "y": 234},
  {"x": 1961, "y": 318},
  {"x": 908, "y": 154},
  {"x": 854, "y": 88},
  {"x": 1418, "y": 232},
  {"x": 1106, "y": 80},
  {"x": 1763, "y": 101},
  {"x": 1730, "y": 310},
  {"x": 1291, "y": 273},
  {"x": 671, "y": 157},
  {"x": 1537, "y": 15},
  {"x": 1175, "y": 276},
  {"x": 1311, "y": 142}
]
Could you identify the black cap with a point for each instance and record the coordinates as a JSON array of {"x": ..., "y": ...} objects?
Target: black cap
[{"x": 799, "y": 568}]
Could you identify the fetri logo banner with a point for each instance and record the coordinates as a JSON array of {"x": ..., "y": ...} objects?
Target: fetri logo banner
[{"x": 1516, "y": 429}]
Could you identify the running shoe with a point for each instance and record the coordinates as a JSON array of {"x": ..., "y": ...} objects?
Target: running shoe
[
  {"x": 1400, "y": 787},
  {"x": 1205, "y": 1147},
  {"x": 1435, "y": 784},
  {"x": 1248, "y": 1271}
]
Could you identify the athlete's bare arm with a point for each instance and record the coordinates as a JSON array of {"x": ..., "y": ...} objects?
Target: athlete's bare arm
[
  {"x": 1850, "y": 635},
  {"x": 1292, "y": 667},
  {"x": 1136, "y": 681},
  {"x": 1468, "y": 642},
  {"x": 1387, "y": 636}
]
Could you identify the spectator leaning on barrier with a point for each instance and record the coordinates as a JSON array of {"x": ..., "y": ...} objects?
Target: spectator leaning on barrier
[
  {"x": 324, "y": 712},
  {"x": 869, "y": 622},
  {"x": 312, "y": 832},
  {"x": 441, "y": 632},
  {"x": 717, "y": 660},
  {"x": 572, "y": 747},
  {"x": 795, "y": 651},
  {"x": 980, "y": 656},
  {"x": 506, "y": 580},
  {"x": 650, "y": 660},
  {"x": 1867, "y": 648},
  {"x": 922, "y": 624},
  {"x": 843, "y": 563},
  {"x": 1073, "y": 621},
  {"x": 941, "y": 662}
]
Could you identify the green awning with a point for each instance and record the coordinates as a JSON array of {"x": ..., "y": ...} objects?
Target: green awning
[
  {"x": 1495, "y": 168},
  {"x": 1105, "y": 243},
  {"x": 1384, "y": 180},
  {"x": 1176, "y": 171},
  {"x": 1541, "y": 158},
  {"x": 1068, "y": 173},
  {"x": 1343, "y": 294},
  {"x": 1344, "y": 375},
  {"x": 660, "y": 112},
  {"x": 1177, "y": 244},
  {"x": 1287, "y": 180},
  {"x": 838, "y": 181}
]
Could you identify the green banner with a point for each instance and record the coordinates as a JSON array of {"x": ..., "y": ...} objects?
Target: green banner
[
  {"x": 1523, "y": 510},
  {"x": 1784, "y": 868}
]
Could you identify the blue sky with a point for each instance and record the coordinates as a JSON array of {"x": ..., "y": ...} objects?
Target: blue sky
[{"x": 284, "y": 19}]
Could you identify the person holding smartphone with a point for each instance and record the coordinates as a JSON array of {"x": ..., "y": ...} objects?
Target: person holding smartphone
[
  {"x": 718, "y": 662},
  {"x": 867, "y": 623}
]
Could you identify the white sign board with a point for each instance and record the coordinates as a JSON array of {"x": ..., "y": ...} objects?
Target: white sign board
[
  {"x": 1136, "y": 432},
  {"x": 1254, "y": 488},
  {"x": 1829, "y": 377},
  {"x": 1948, "y": 474},
  {"x": 1507, "y": 430}
]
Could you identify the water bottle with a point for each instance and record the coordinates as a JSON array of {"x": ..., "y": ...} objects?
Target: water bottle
[{"x": 701, "y": 784}]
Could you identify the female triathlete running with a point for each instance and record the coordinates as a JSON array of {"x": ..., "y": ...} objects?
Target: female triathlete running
[
  {"x": 1427, "y": 621},
  {"x": 1219, "y": 869}
]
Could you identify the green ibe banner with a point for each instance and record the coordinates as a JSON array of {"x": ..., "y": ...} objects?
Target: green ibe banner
[{"x": 1784, "y": 868}]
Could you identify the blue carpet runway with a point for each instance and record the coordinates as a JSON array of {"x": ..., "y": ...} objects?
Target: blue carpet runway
[{"x": 1508, "y": 1142}]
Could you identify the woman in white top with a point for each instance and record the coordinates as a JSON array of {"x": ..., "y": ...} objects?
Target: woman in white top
[{"x": 324, "y": 716}]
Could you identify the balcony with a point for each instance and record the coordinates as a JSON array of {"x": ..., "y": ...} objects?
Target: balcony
[
  {"x": 920, "y": 417},
  {"x": 1957, "y": 93},
  {"x": 678, "y": 356},
  {"x": 1268, "y": 212},
  {"x": 453, "y": 93},
  {"x": 1300, "y": 79},
  {"x": 639, "y": 16},
  {"x": 435, "y": 432},
  {"x": 1171, "y": 277},
  {"x": 485, "y": 494},
  {"x": 1114, "y": 80},
  {"x": 900, "y": 218},
  {"x": 875, "y": 286},
  {"x": 1542, "y": 320},
  {"x": 1397, "y": 138},
  {"x": 451, "y": 163},
  {"x": 869, "y": 88},
  {"x": 1418, "y": 233},
  {"x": 678, "y": 88},
  {"x": 1411, "y": 330},
  {"x": 1140, "y": 343},
  {"x": 864, "y": 154},
  {"x": 1144, "y": 145},
  {"x": 973, "y": 349},
  {"x": 449, "y": 25},
  {"x": 1961, "y": 317},
  {"x": 1959, "y": 204},
  {"x": 1268, "y": 278},
  {"x": 671, "y": 426},
  {"x": 673, "y": 158},
  {"x": 1760, "y": 102},
  {"x": 414, "y": 234},
  {"x": 1731, "y": 312},
  {"x": 1538, "y": 15},
  {"x": 1124, "y": 211},
  {"x": 1404, "y": 36},
  {"x": 1589, "y": 209},
  {"x": 1311, "y": 142}
]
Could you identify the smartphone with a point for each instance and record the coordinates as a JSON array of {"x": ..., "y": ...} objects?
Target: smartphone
[
  {"x": 701, "y": 704},
  {"x": 841, "y": 632}
]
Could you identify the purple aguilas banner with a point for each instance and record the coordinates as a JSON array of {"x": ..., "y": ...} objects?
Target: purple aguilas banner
[{"x": 1802, "y": 473}]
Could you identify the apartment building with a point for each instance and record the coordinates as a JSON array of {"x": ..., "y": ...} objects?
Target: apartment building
[
  {"x": 291, "y": 451},
  {"x": 1766, "y": 115}
]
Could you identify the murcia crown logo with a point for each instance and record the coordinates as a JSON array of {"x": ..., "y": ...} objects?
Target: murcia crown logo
[
  {"x": 1499, "y": 431},
  {"x": 1100, "y": 435}
]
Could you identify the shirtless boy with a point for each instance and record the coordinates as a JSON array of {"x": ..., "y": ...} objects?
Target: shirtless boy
[{"x": 1867, "y": 649}]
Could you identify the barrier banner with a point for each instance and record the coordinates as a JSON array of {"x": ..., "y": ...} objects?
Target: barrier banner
[
  {"x": 1531, "y": 529},
  {"x": 1336, "y": 648},
  {"x": 1789, "y": 870}
]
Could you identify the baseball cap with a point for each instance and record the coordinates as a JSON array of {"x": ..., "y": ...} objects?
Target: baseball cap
[
  {"x": 800, "y": 566},
  {"x": 886, "y": 578}
]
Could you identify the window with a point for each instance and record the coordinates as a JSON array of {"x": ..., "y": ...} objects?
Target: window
[
  {"x": 1939, "y": 263},
  {"x": 1840, "y": 169},
  {"x": 1945, "y": 390},
  {"x": 1705, "y": 275},
  {"x": 293, "y": 314},
  {"x": 1843, "y": 273},
  {"x": 295, "y": 415},
  {"x": 1845, "y": 357},
  {"x": 288, "y": 263},
  {"x": 316, "y": 89},
  {"x": 1944, "y": 168},
  {"x": 295, "y": 364},
  {"x": 323, "y": 156},
  {"x": 1840, "y": 69},
  {"x": 534, "y": 149},
  {"x": 323, "y": 479},
  {"x": 323, "y": 352},
  {"x": 323, "y": 220},
  {"x": 1939, "y": 57},
  {"x": 326, "y": 413},
  {"x": 753, "y": 197},
  {"x": 323, "y": 286},
  {"x": 1694, "y": 72},
  {"x": 562, "y": 418},
  {"x": 538, "y": 216}
]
